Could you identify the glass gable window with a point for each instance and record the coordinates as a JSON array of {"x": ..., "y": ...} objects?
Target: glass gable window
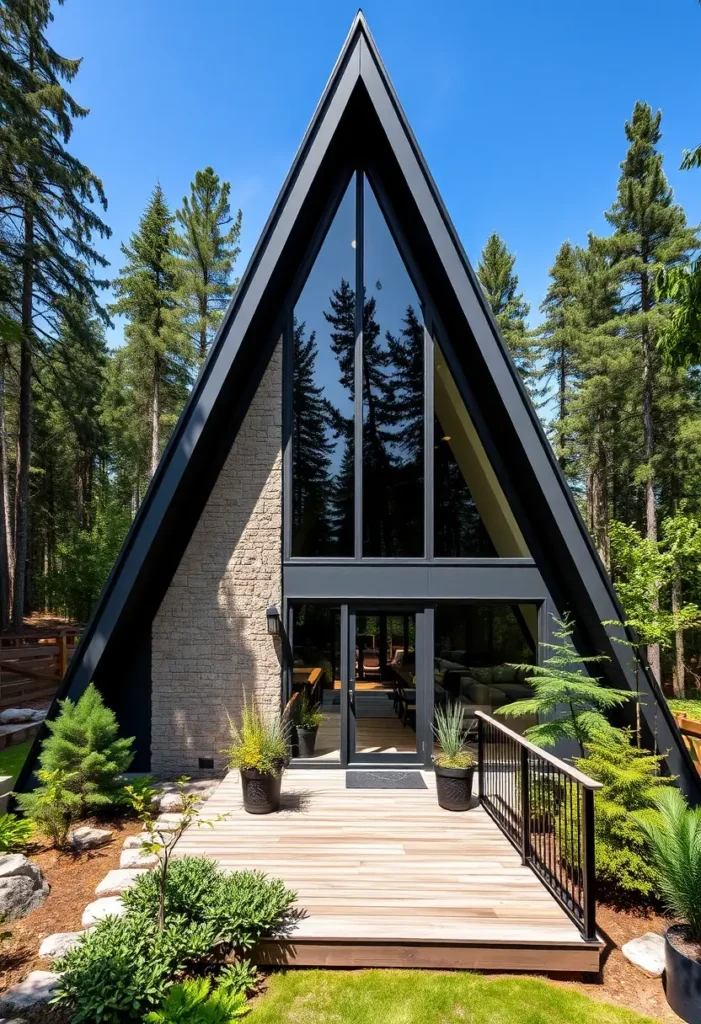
[
  {"x": 371, "y": 478},
  {"x": 323, "y": 393},
  {"x": 393, "y": 397}
]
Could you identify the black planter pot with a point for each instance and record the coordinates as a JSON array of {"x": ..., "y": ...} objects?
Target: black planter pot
[
  {"x": 454, "y": 787},
  {"x": 307, "y": 740},
  {"x": 261, "y": 791},
  {"x": 682, "y": 978}
]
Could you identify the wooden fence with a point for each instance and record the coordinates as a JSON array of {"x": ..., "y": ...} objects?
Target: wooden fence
[{"x": 33, "y": 665}]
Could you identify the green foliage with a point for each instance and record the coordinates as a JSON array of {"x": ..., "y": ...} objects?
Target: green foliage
[
  {"x": 241, "y": 976},
  {"x": 449, "y": 728},
  {"x": 680, "y": 337},
  {"x": 261, "y": 741},
  {"x": 239, "y": 908},
  {"x": 674, "y": 845},
  {"x": 571, "y": 704},
  {"x": 309, "y": 716},
  {"x": 689, "y": 707},
  {"x": 631, "y": 782},
  {"x": 194, "y": 1002},
  {"x": 53, "y": 805},
  {"x": 123, "y": 967},
  {"x": 84, "y": 748},
  {"x": 15, "y": 833}
]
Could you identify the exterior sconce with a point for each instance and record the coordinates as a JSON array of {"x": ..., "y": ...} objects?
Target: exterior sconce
[{"x": 272, "y": 616}]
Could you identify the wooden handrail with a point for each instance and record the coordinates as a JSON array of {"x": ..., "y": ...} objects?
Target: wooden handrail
[{"x": 562, "y": 766}]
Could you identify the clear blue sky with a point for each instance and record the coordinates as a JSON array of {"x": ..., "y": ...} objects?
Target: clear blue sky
[{"x": 518, "y": 107}]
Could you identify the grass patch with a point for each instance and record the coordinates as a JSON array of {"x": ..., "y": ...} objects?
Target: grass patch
[
  {"x": 425, "y": 997},
  {"x": 12, "y": 758}
]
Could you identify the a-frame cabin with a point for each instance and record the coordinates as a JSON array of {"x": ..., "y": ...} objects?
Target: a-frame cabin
[{"x": 360, "y": 454}]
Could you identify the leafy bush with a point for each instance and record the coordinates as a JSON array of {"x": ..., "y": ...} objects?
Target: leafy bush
[
  {"x": 239, "y": 908},
  {"x": 309, "y": 716},
  {"x": 241, "y": 976},
  {"x": 15, "y": 833},
  {"x": 631, "y": 783},
  {"x": 193, "y": 1002},
  {"x": 690, "y": 708},
  {"x": 261, "y": 743},
  {"x": 52, "y": 806},
  {"x": 449, "y": 730},
  {"x": 673, "y": 840},
  {"x": 123, "y": 967},
  {"x": 85, "y": 747}
]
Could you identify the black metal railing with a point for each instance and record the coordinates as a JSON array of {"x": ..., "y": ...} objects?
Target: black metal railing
[{"x": 546, "y": 808}]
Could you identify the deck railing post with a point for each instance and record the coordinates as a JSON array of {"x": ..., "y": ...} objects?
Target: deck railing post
[
  {"x": 525, "y": 808},
  {"x": 588, "y": 865},
  {"x": 480, "y": 760}
]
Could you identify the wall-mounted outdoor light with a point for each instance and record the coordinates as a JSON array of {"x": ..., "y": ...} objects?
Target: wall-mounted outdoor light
[{"x": 272, "y": 616}]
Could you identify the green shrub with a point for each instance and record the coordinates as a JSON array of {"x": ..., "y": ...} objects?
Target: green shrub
[
  {"x": 673, "y": 840},
  {"x": 52, "y": 806},
  {"x": 309, "y": 716},
  {"x": 241, "y": 976},
  {"x": 240, "y": 907},
  {"x": 123, "y": 967},
  {"x": 631, "y": 782},
  {"x": 261, "y": 742},
  {"x": 15, "y": 833},
  {"x": 85, "y": 746},
  {"x": 690, "y": 708},
  {"x": 449, "y": 730},
  {"x": 194, "y": 1002}
]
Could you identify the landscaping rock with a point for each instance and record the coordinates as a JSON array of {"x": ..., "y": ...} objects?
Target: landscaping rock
[
  {"x": 117, "y": 881},
  {"x": 37, "y": 988},
  {"x": 56, "y": 946},
  {"x": 107, "y": 906},
  {"x": 169, "y": 802},
  {"x": 137, "y": 859},
  {"x": 86, "y": 838},
  {"x": 647, "y": 953},
  {"x": 169, "y": 799},
  {"x": 15, "y": 716},
  {"x": 168, "y": 822},
  {"x": 23, "y": 887},
  {"x": 15, "y": 1020},
  {"x": 137, "y": 841}
]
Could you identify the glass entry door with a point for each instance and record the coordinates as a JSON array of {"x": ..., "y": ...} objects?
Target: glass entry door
[{"x": 386, "y": 693}]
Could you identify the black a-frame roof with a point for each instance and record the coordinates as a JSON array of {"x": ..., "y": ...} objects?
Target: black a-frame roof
[{"x": 358, "y": 121}]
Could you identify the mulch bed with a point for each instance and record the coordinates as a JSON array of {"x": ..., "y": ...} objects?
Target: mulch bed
[{"x": 72, "y": 878}]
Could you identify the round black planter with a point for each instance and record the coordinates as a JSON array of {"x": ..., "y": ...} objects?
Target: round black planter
[
  {"x": 307, "y": 740},
  {"x": 454, "y": 787},
  {"x": 261, "y": 791},
  {"x": 682, "y": 979}
]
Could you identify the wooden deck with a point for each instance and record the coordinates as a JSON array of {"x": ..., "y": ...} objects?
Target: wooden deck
[{"x": 387, "y": 878}]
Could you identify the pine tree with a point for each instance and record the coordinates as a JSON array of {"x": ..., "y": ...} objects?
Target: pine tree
[
  {"x": 205, "y": 250},
  {"x": 499, "y": 282},
  {"x": 650, "y": 235},
  {"x": 86, "y": 749},
  {"x": 49, "y": 220},
  {"x": 158, "y": 355},
  {"x": 559, "y": 336}
]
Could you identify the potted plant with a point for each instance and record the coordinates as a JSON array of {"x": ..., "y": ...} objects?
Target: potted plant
[
  {"x": 674, "y": 842},
  {"x": 259, "y": 749},
  {"x": 454, "y": 766},
  {"x": 309, "y": 718}
]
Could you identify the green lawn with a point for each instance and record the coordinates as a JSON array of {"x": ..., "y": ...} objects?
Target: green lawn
[
  {"x": 425, "y": 997},
  {"x": 12, "y": 759}
]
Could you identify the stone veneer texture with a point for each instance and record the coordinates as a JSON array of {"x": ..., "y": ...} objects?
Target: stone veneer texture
[{"x": 210, "y": 645}]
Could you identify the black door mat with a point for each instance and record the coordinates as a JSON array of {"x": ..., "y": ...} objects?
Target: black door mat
[{"x": 384, "y": 780}]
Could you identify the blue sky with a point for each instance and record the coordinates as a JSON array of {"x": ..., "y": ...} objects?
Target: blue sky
[{"x": 518, "y": 107}]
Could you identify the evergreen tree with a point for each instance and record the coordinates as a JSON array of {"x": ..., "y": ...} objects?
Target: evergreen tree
[
  {"x": 650, "y": 234},
  {"x": 205, "y": 253},
  {"x": 48, "y": 220},
  {"x": 158, "y": 354},
  {"x": 86, "y": 749},
  {"x": 500, "y": 283}
]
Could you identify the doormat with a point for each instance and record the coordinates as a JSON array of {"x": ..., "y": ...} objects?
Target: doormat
[{"x": 385, "y": 780}]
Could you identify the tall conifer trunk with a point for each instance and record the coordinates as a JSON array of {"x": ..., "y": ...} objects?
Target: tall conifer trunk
[
  {"x": 653, "y": 651},
  {"x": 7, "y": 558},
  {"x": 679, "y": 670},
  {"x": 155, "y": 414},
  {"x": 24, "y": 443}
]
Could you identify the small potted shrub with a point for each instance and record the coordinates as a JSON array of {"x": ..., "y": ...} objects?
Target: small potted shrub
[
  {"x": 309, "y": 718},
  {"x": 673, "y": 839},
  {"x": 259, "y": 749},
  {"x": 454, "y": 766}
]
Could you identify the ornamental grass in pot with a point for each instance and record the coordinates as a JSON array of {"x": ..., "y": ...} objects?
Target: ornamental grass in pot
[
  {"x": 309, "y": 718},
  {"x": 259, "y": 749},
  {"x": 673, "y": 837},
  {"x": 454, "y": 765}
]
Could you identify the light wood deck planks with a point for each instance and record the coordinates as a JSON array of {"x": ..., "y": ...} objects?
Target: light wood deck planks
[{"x": 386, "y": 877}]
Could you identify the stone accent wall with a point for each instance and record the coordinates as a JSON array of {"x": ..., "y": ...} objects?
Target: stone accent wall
[{"x": 209, "y": 638}]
